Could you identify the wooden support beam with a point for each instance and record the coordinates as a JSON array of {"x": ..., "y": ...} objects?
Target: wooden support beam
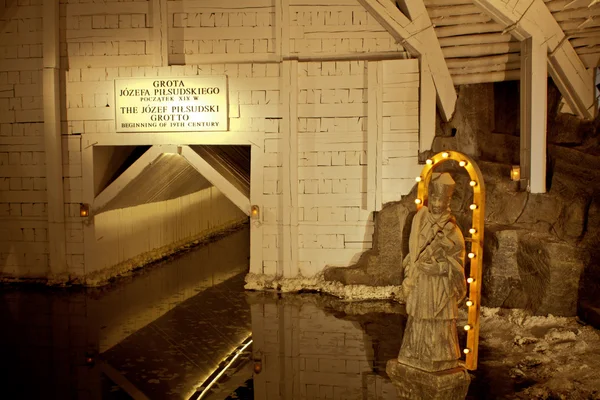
[
  {"x": 219, "y": 181},
  {"x": 158, "y": 17},
  {"x": 427, "y": 110},
  {"x": 53, "y": 143},
  {"x": 418, "y": 37},
  {"x": 289, "y": 176},
  {"x": 534, "y": 82},
  {"x": 116, "y": 186},
  {"x": 532, "y": 18},
  {"x": 374, "y": 135}
]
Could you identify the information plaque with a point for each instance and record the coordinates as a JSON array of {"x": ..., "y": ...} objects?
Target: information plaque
[{"x": 162, "y": 104}]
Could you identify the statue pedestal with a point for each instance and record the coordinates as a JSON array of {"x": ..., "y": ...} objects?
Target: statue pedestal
[{"x": 412, "y": 383}]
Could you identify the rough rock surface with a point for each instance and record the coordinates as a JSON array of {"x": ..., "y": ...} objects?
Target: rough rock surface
[
  {"x": 531, "y": 270},
  {"x": 542, "y": 251}
]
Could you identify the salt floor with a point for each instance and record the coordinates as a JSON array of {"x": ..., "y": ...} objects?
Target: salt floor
[{"x": 168, "y": 331}]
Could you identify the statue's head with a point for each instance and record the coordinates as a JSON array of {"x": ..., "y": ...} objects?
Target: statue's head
[{"x": 441, "y": 188}]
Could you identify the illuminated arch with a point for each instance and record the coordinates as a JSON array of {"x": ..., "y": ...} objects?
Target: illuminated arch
[{"x": 475, "y": 254}]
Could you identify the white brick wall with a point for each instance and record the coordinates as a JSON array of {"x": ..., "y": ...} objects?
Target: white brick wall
[
  {"x": 23, "y": 226},
  {"x": 103, "y": 41}
]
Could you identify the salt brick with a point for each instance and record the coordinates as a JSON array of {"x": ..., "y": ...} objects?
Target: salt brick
[
  {"x": 324, "y": 158},
  {"x": 207, "y": 19},
  {"x": 232, "y": 46},
  {"x": 124, "y": 21},
  {"x": 236, "y": 19},
  {"x": 325, "y": 186},
  {"x": 180, "y": 20},
  {"x": 352, "y": 213},
  {"x": 138, "y": 21},
  {"x": 39, "y": 184},
  {"x": 352, "y": 158},
  {"x": 314, "y": 69},
  {"x": 218, "y": 47},
  {"x": 353, "y": 186},
  {"x": 311, "y": 186},
  {"x": 35, "y": 51},
  {"x": 338, "y": 186},
  {"x": 98, "y": 22},
  {"x": 221, "y": 19},
  {"x": 272, "y": 69},
  {"x": 249, "y": 19},
  {"x": 270, "y": 45},
  {"x": 246, "y": 46},
  {"x": 27, "y": 183},
  {"x": 14, "y": 158},
  {"x": 4, "y": 209},
  {"x": 264, "y": 19},
  {"x": 112, "y": 21}
]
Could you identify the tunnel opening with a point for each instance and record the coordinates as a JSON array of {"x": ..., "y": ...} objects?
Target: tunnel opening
[{"x": 154, "y": 201}]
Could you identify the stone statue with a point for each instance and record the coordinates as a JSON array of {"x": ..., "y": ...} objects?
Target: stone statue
[{"x": 434, "y": 283}]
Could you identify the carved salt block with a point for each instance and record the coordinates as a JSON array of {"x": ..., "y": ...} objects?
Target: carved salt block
[{"x": 415, "y": 384}]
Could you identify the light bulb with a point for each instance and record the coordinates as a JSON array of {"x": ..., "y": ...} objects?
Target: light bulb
[
  {"x": 467, "y": 327},
  {"x": 469, "y": 303},
  {"x": 473, "y": 183},
  {"x": 471, "y": 255},
  {"x": 418, "y": 179},
  {"x": 429, "y": 161},
  {"x": 473, "y": 206},
  {"x": 417, "y": 201},
  {"x": 472, "y": 231},
  {"x": 466, "y": 351},
  {"x": 445, "y": 155},
  {"x": 470, "y": 280},
  {"x": 462, "y": 163}
]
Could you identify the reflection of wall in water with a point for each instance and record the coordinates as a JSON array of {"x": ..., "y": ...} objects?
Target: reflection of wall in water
[{"x": 307, "y": 353}]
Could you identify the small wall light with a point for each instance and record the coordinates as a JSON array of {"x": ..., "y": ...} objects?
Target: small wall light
[
  {"x": 255, "y": 212},
  {"x": 515, "y": 173},
  {"x": 84, "y": 210},
  {"x": 257, "y": 367}
]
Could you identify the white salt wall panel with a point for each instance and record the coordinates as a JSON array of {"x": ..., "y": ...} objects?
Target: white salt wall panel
[
  {"x": 23, "y": 213},
  {"x": 332, "y": 111},
  {"x": 401, "y": 128},
  {"x": 100, "y": 33},
  {"x": 220, "y": 29},
  {"x": 341, "y": 27},
  {"x": 131, "y": 233}
]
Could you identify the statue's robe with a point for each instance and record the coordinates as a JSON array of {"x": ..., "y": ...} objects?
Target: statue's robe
[{"x": 434, "y": 283}]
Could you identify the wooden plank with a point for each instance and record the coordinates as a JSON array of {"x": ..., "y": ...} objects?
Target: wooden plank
[
  {"x": 427, "y": 110},
  {"x": 199, "y": 6},
  {"x": 76, "y": 62},
  {"x": 111, "y": 8},
  {"x": 290, "y": 171},
  {"x": 372, "y": 132},
  {"x": 203, "y": 59},
  {"x": 534, "y": 112},
  {"x": 221, "y": 33},
  {"x": 332, "y": 82},
  {"x": 112, "y": 190},
  {"x": 419, "y": 38},
  {"x": 107, "y": 35},
  {"x": 532, "y": 18},
  {"x": 344, "y": 110},
  {"x": 256, "y": 198},
  {"x": 214, "y": 177}
]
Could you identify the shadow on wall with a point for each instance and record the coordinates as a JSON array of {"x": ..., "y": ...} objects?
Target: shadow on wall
[{"x": 131, "y": 237}]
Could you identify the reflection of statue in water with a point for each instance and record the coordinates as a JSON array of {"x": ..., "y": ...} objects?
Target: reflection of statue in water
[{"x": 434, "y": 283}]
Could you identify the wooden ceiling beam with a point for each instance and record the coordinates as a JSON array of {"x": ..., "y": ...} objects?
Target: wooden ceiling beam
[
  {"x": 418, "y": 37},
  {"x": 532, "y": 18}
]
